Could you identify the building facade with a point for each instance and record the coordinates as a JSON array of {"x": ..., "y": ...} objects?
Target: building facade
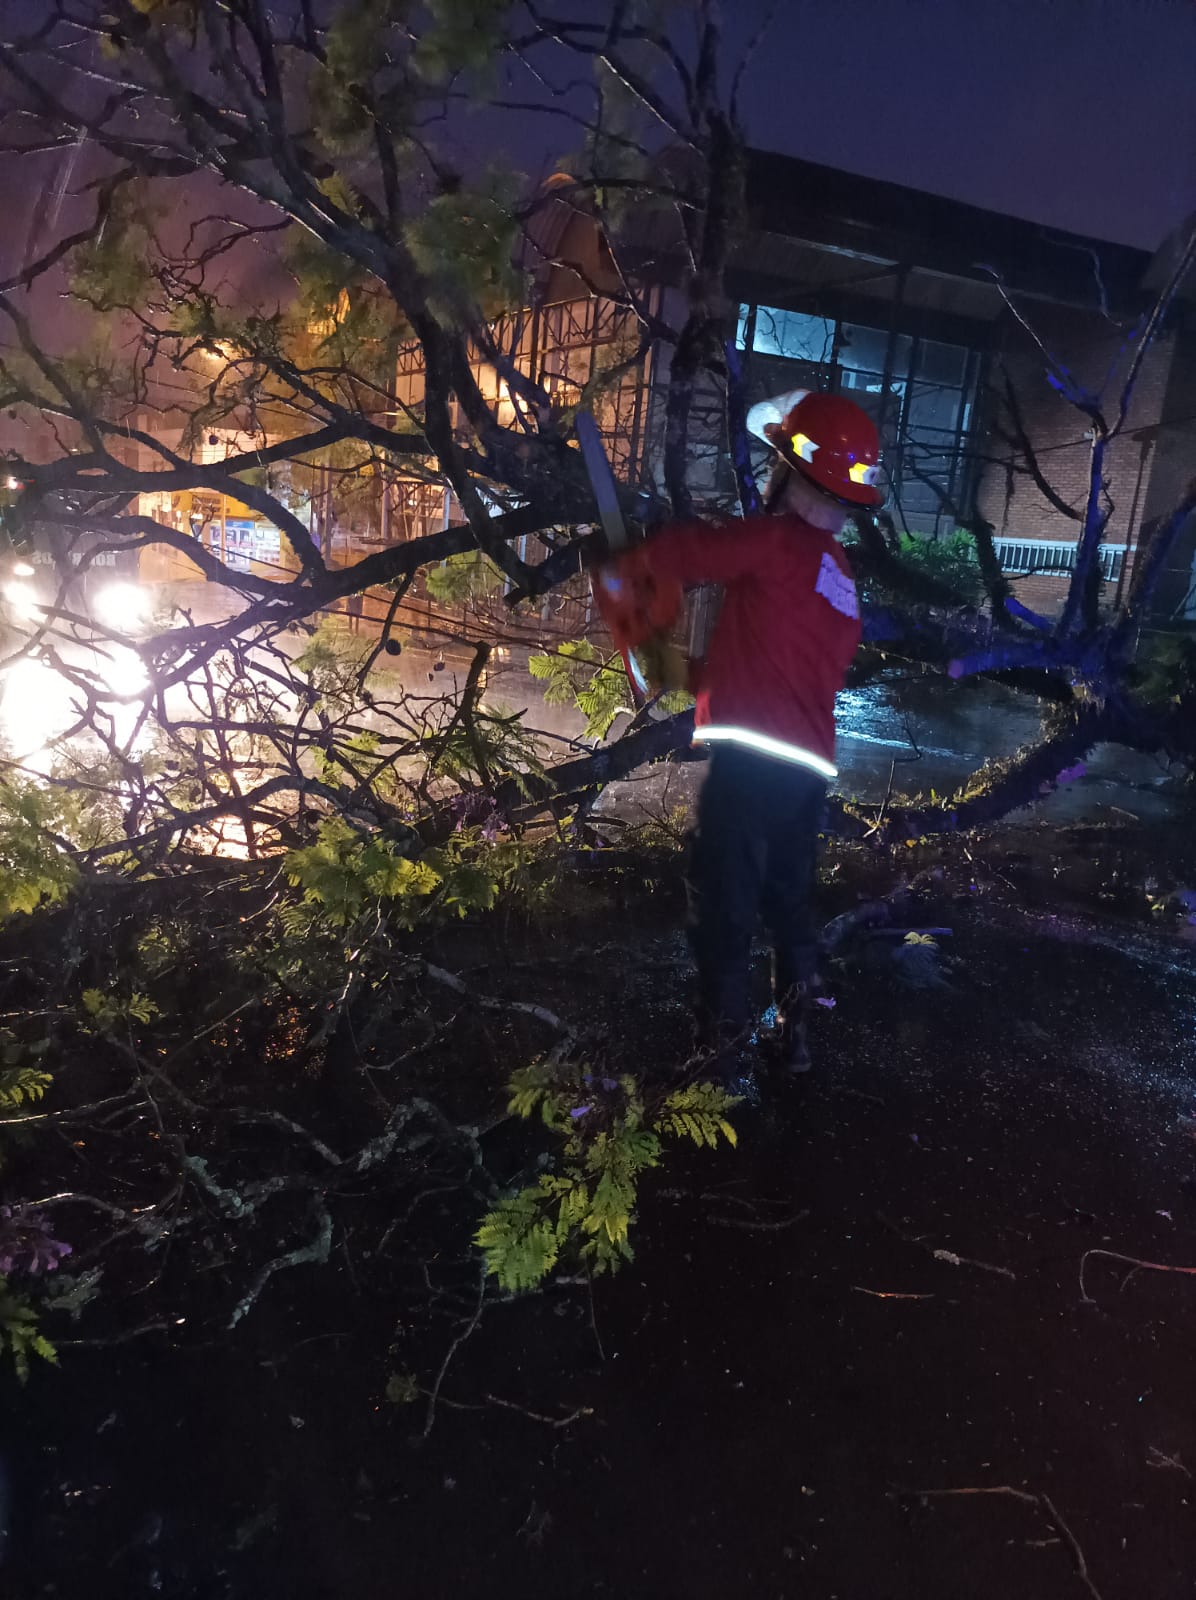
[
  {"x": 941, "y": 320},
  {"x": 935, "y": 315},
  {"x": 932, "y": 314}
]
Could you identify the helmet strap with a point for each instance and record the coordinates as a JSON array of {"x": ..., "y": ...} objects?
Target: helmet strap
[
  {"x": 774, "y": 489},
  {"x": 821, "y": 510}
]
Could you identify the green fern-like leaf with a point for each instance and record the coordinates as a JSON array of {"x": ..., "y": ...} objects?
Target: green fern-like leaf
[
  {"x": 587, "y": 1207},
  {"x": 343, "y": 872},
  {"x": 141, "y": 1007},
  {"x": 546, "y": 1085},
  {"x": 576, "y": 674},
  {"x": 21, "y": 1086},
  {"x": 33, "y": 865},
  {"x": 470, "y": 576},
  {"x": 610, "y": 1208},
  {"x": 19, "y": 1332},
  {"x": 469, "y": 887},
  {"x": 104, "y": 1011},
  {"x": 698, "y": 1112},
  {"x": 519, "y": 1240}
]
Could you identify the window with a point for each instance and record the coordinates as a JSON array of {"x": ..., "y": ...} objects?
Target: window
[
  {"x": 790, "y": 334},
  {"x": 937, "y": 412},
  {"x": 863, "y": 350},
  {"x": 919, "y": 392},
  {"x": 863, "y": 356},
  {"x": 941, "y": 363}
]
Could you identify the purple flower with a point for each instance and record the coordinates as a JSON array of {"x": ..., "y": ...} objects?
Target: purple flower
[
  {"x": 476, "y": 811},
  {"x": 580, "y": 1111},
  {"x": 26, "y": 1244},
  {"x": 610, "y": 1084}
]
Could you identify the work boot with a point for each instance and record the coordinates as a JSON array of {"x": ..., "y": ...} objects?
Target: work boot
[
  {"x": 726, "y": 1058},
  {"x": 792, "y": 1044}
]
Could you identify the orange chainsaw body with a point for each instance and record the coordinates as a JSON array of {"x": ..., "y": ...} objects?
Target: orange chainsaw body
[{"x": 641, "y": 610}]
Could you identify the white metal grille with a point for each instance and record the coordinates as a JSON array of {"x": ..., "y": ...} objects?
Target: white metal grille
[{"x": 1054, "y": 556}]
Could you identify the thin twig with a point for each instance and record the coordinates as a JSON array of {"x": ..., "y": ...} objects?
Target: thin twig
[
  {"x": 466, "y": 1333},
  {"x": 1130, "y": 1261},
  {"x": 72, "y": 1113},
  {"x": 1158, "y": 1458},
  {"x": 948, "y": 1256},
  {"x": 594, "y": 1320},
  {"x": 276, "y": 1120},
  {"x": 1072, "y": 1543},
  {"x": 953, "y": 1260},
  {"x": 1044, "y": 1504},
  {"x": 857, "y": 1094},
  {"x": 140, "y": 1220},
  {"x": 526, "y": 1008},
  {"x": 316, "y": 1250},
  {"x": 890, "y": 1294},
  {"x": 117, "y": 1338},
  {"x": 972, "y": 1489},
  {"x": 204, "y": 1032},
  {"x": 751, "y": 1225},
  {"x": 538, "y": 1416}
]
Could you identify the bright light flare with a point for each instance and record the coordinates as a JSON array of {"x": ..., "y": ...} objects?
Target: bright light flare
[
  {"x": 39, "y": 704},
  {"x": 225, "y": 838},
  {"x": 36, "y": 706},
  {"x": 22, "y": 569},
  {"x": 121, "y": 671},
  {"x": 122, "y": 607},
  {"x": 22, "y": 598}
]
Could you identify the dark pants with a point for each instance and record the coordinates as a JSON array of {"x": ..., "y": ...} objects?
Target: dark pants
[{"x": 754, "y": 851}]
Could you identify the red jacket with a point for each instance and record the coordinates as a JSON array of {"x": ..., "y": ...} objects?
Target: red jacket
[{"x": 788, "y": 629}]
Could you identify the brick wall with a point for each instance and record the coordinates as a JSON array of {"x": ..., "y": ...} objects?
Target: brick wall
[
  {"x": 1173, "y": 442},
  {"x": 1042, "y": 592},
  {"x": 1089, "y": 347},
  {"x": 1172, "y": 447}
]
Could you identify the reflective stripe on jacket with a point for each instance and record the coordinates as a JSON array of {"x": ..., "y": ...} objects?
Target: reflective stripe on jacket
[{"x": 786, "y": 634}]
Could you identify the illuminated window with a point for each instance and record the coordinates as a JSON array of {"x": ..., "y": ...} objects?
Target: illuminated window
[
  {"x": 324, "y": 327},
  {"x": 789, "y": 334}
]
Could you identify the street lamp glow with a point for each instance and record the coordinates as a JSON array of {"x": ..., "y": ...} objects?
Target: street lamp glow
[
  {"x": 23, "y": 600},
  {"x": 121, "y": 606},
  {"x": 36, "y": 706},
  {"x": 122, "y": 671}
]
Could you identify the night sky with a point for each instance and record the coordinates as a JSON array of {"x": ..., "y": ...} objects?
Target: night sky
[{"x": 1077, "y": 113}]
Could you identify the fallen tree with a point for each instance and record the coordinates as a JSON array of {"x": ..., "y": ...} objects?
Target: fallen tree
[{"x": 383, "y": 359}]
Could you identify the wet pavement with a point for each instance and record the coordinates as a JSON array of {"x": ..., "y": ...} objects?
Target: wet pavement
[
  {"x": 921, "y": 736},
  {"x": 893, "y": 1347}
]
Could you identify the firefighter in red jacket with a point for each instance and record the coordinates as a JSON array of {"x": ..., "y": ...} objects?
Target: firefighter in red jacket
[{"x": 787, "y": 631}]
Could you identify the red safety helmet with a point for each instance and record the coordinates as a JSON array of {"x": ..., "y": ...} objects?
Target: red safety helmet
[{"x": 833, "y": 443}]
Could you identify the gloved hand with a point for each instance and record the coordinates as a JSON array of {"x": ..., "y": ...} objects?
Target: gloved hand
[{"x": 640, "y": 611}]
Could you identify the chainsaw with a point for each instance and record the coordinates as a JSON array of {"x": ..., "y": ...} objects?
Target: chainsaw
[{"x": 639, "y": 611}]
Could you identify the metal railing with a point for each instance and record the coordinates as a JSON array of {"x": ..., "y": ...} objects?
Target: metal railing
[{"x": 1055, "y": 557}]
